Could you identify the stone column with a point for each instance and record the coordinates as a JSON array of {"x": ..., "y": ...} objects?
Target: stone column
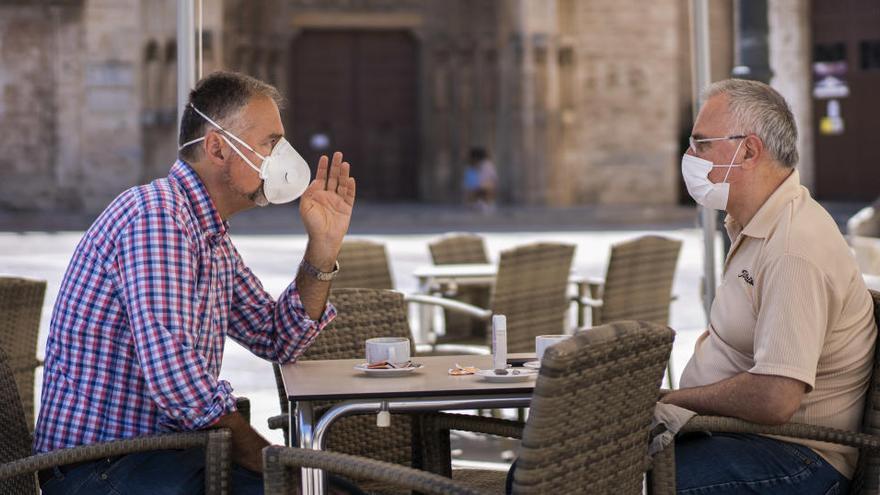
[{"x": 789, "y": 22}]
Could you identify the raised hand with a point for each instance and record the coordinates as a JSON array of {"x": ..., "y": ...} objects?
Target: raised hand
[{"x": 326, "y": 208}]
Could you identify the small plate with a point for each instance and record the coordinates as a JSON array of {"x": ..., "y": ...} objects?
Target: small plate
[
  {"x": 532, "y": 365},
  {"x": 521, "y": 376},
  {"x": 388, "y": 371}
]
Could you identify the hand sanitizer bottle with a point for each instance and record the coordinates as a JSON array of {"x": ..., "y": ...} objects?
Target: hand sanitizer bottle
[{"x": 499, "y": 342}]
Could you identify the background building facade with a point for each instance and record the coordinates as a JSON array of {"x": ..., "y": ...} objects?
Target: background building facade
[{"x": 577, "y": 101}]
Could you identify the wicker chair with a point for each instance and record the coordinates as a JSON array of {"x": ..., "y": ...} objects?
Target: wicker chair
[
  {"x": 361, "y": 314},
  {"x": 363, "y": 265},
  {"x": 530, "y": 290},
  {"x": 588, "y": 430},
  {"x": 637, "y": 284},
  {"x": 21, "y": 303},
  {"x": 867, "y": 476},
  {"x": 455, "y": 249},
  {"x": 17, "y": 466}
]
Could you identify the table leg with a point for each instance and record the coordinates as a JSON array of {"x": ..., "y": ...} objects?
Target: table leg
[{"x": 304, "y": 428}]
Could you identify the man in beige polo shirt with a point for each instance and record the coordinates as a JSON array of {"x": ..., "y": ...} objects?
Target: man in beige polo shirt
[{"x": 791, "y": 331}]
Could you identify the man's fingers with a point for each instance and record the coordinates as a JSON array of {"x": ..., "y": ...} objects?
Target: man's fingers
[
  {"x": 349, "y": 191},
  {"x": 333, "y": 177},
  {"x": 321, "y": 174},
  {"x": 344, "y": 170}
]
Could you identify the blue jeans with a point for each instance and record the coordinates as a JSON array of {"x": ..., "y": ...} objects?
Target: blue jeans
[
  {"x": 723, "y": 463},
  {"x": 158, "y": 473}
]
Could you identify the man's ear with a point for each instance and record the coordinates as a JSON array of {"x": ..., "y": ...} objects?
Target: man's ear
[
  {"x": 754, "y": 151},
  {"x": 214, "y": 148}
]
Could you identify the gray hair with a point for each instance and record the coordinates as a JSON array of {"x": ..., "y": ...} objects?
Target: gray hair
[
  {"x": 220, "y": 96},
  {"x": 758, "y": 109}
]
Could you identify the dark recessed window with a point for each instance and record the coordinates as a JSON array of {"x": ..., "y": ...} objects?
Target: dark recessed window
[
  {"x": 829, "y": 52},
  {"x": 869, "y": 55}
]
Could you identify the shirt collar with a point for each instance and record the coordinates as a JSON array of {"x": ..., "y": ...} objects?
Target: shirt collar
[
  {"x": 202, "y": 205},
  {"x": 761, "y": 224}
]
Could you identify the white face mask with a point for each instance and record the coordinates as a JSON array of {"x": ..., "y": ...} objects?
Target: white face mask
[
  {"x": 696, "y": 170},
  {"x": 284, "y": 172}
]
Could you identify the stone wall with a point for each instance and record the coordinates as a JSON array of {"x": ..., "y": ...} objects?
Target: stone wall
[
  {"x": 68, "y": 118},
  {"x": 620, "y": 114},
  {"x": 40, "y": 68}
]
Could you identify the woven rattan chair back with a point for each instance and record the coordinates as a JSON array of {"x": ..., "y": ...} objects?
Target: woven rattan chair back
[
  {"x": 591, "y": 411},
  {"x": 867, "y": 476},
  {"x": 458, "y": 248},
  {"x": 363, "y": 265},
  {"x": 21, "y": 303},
  {"x": 638, "y": 282},
  {"x": 530, "y": 290},
  {"x": 455, "y": 249},
  {"x": 15, "y": 438},
  {"x": 364, "y": 314}
]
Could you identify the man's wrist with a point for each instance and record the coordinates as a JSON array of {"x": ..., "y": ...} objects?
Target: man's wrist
[
  {"x": 314, "y": 272},
  {"x": 322, "y": 259}
]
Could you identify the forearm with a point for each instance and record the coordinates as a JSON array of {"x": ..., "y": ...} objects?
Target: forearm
[
  {"x": 313, "y": 292},
  {"x": 247, "y": 444},
  {"x": 757, "y": 398}
]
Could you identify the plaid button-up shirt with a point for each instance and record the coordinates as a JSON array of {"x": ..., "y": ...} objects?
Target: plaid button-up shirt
[{"x": 136, "y": 337}]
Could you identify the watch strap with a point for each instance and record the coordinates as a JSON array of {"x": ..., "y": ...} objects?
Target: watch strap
[{"x": 318, "y": 274}]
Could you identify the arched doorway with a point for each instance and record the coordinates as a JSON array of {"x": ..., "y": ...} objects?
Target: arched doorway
[{"x": 356, "y": 91}]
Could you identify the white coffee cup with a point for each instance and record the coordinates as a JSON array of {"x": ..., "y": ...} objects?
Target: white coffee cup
[
  {"x": 390, "y": 349},
  {"x": 542, "y": 342}
]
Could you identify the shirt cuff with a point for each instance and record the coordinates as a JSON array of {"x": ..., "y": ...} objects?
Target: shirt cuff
[
  {"x": 191, "y": 418},
  {"x": 306, "y": 328}
]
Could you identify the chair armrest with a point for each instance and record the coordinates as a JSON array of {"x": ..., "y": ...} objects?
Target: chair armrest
[
  {"x": 216, "y": 441},
  {"x": 243, "y": 406},
  {"x": 278, "y": 460},
  {"x": 434, "y": 449},
  {"x": 450, "y": 304},
  {"x": 796, "y": 430},
  {"x": 477, "y": 424},
  {"x": 279, "y": 422}
]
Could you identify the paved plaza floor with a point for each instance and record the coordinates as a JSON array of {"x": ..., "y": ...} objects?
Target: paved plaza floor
[{"x": 272, "y": 244}]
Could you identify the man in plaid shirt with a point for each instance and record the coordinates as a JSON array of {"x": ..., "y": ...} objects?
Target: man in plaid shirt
[{"x": 155, "y": 286}]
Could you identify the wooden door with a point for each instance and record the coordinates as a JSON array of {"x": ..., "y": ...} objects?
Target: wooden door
[
  {"x": 356, "y": 91},
  {"x": 848, "y": 163}
]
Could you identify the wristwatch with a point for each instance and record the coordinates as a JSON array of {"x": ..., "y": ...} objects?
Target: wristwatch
[{"x": 318, "y": 274}]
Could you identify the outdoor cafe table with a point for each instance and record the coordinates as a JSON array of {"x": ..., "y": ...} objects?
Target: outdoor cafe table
[{"x": 430, "y": 388}]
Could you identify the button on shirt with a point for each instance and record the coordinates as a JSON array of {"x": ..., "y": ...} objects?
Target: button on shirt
[
  {"x": 137, "y": 333},
  {"x": 792, "y": 303}
]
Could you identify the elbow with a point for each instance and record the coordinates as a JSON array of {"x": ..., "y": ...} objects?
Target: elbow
[{"x": 778, "y": 412}]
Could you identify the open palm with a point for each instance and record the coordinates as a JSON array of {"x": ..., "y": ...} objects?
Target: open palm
[{"x": 326, "y": 205}]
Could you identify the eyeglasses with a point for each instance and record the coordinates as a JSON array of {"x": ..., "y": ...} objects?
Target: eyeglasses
[{"x": 693, "y": 142}]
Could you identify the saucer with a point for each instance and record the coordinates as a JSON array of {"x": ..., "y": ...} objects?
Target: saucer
[
  {"x": 532, "y": 365},
  {"x": 388, "y": 371},
  {"x": 521, "y": 376}
]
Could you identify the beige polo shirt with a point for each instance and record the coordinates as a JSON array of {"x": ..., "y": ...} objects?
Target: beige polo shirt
[{"x": 793, "y": 303}]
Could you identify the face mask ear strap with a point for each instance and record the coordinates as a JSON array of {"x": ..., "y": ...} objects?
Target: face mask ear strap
[
  {"x": 733, "y": 159},
  {"x": 233, "y": 136},
  {"x": 246, "y": 160}
]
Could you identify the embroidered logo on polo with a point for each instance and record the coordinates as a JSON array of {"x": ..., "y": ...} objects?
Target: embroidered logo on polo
[{"x": 748, "y": 278}]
